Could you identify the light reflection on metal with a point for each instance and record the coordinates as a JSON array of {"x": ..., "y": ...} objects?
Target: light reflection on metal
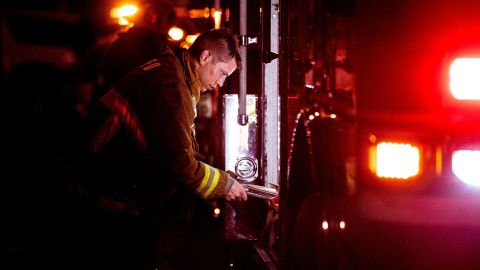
[
  {"x": 242, "y": 118},
  {"x": 246, "y": 167},
  {"x": 241, "y": 148},
  {"x": 271, "y": 98}
]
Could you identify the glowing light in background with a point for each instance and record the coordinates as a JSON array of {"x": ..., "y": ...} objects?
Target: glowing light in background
[
  {"x": 396, "y": 160},
  {"x": 175, "y": 33},
  {"x": 227, "y": 15},
  {"x": 206, "y": 13},
  {"x": 123, "y": 21},
  {"x": 465, "y": 78},
  {"x": 123, "y": 13},
  {"x": 191, "y": 38},
  {"x": 198, "y": 13},
  {"x": 465, "y": 166},
  {"x": 325, "y": 225},
  {"x": 216, "y": 212},
  {"x": 217, "y": 17},
  {"x": 127, "y": 10}
]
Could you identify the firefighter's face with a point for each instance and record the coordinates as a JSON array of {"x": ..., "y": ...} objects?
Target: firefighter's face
[{"x": 213, "y": 74}]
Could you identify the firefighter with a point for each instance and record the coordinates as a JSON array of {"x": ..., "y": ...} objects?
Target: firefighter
[{"x": 144, "y": 130}]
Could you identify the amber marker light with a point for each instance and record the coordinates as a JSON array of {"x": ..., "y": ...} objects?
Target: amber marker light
[{"x": 394, "y": 160}]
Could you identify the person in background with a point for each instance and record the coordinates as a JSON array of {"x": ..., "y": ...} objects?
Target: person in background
[
  {"x": 144, "y": 41},
  {"x": 143, "y": 128},
  {"x": 140, "y": 43}
]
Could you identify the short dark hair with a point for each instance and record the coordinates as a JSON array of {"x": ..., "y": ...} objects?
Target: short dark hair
[{"x": 222, "y": 44}]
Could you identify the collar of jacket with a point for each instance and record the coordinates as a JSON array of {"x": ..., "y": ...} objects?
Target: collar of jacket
[{"x": 193, "y": 78}]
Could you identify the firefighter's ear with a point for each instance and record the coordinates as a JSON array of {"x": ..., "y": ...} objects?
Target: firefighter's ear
[{"x": 205, "y": 57}]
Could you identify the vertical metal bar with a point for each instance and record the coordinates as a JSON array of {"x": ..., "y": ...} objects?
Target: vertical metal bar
[
  {"x": 272, "y": 100},
  {"x": 284, "y": 82},
  {"x": 242, "y": 95}
]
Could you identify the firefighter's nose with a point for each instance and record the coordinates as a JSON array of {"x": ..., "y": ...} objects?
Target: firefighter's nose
[{"x": 221, "y": 81}]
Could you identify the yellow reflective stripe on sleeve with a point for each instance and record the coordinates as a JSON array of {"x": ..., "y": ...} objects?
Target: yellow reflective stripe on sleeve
[
  {"x": 205, "y": 177},
  {"x": 213, "y": 185},
  {"x": 209, "y": 181}
]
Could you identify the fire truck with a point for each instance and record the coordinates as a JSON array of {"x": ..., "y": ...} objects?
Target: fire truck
[
  {"x": 354, "y": 125},
  {"x": 365, "y": 121}
]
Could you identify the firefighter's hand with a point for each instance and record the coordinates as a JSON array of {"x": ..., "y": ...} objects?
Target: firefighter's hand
[{"x": 237, "y": 192}]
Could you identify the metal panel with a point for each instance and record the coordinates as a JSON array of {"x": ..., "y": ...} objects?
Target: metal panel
[
  {"x": 272, "y": 103},
  {"x": 241, "y": 141}
]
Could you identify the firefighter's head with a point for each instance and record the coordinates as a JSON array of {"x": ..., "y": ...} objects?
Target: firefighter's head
[{"x": 216, "y": 55}]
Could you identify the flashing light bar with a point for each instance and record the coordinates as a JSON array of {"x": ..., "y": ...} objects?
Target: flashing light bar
[
  {"x": 465, "y": 78},
  {"x": 395, "y": 160},
  {"x": 465, "y": 166}
]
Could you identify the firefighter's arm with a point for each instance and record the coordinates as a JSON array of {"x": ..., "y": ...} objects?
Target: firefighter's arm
[
  {"x": 169, "y": 132},
  {"x": 236, "y": 192}
]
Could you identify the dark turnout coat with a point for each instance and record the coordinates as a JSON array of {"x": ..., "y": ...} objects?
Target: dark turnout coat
[{"x": 144, "y": 130}]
